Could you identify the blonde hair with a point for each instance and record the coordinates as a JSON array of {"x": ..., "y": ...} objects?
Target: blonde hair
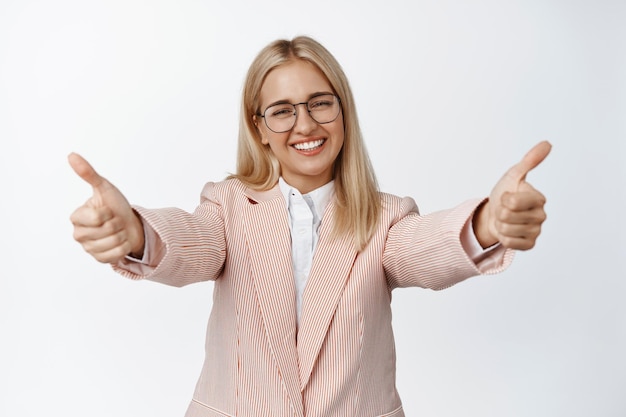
[{"x": 356, "y": 189}]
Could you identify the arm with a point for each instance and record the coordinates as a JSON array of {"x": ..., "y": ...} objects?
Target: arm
[
  {"x": 428, "y": 251},
  {"x": 184, "y": 247}
]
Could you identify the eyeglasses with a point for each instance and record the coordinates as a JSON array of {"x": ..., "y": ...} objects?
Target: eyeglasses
[{"x": 281, "y": 118}]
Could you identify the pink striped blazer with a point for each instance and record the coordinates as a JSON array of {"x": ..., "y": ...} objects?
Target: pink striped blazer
[{"x": 340, "y": 359}]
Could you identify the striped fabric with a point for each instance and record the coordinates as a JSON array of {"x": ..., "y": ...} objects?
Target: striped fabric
[{"x": 340, "y": 361}]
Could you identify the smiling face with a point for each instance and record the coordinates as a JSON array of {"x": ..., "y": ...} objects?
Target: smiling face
[{"x": 308, "y": 151}]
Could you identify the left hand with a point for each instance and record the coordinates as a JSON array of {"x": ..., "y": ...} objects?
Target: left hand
[{"x": 514, "y": 212}]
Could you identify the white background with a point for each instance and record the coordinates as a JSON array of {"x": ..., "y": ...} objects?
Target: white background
[{"x": 450, "y": 94}]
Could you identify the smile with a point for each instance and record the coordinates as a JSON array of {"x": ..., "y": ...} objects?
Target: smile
[{"x": 309, "y": 146}]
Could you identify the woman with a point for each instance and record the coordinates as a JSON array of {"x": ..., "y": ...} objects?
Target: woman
[{"x": 303, "y": 249}]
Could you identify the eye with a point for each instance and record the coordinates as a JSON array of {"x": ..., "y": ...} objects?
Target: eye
[
  {"x": 280, "y": 111},
  {"x": 321, "y": 103}
]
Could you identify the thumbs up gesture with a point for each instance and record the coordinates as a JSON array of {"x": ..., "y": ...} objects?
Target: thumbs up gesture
[
  {"x": 106, "y": 225},
  {"x": 514, "y": 212}
]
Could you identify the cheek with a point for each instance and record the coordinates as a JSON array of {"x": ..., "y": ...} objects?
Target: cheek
[
  {"x": 273, "y": 139},
  {"x": 341, "y": 128},
  {"x": 339, "y": 133}
]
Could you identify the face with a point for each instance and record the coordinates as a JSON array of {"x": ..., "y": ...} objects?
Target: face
[{"x": 308, "y": 151}]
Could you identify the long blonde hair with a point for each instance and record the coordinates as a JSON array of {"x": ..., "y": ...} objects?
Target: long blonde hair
[{"x": 356, "y": 189}]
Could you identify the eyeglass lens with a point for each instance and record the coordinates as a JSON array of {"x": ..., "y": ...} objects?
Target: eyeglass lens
[{"x": 282, "y": 117}]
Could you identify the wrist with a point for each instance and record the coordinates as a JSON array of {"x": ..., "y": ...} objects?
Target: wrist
[
  {"x": 481, "y": 226},
  {"x": 138, "y": 244}
]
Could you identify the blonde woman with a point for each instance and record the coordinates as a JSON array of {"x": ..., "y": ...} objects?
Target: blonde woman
[{"x": 303, "y": 248}]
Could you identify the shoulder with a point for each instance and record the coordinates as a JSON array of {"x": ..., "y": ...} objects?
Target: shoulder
[
  {"x": 395, "y": 206},
  {"x": 216, "y": 191},
  {"x": 234, "y": 192}
]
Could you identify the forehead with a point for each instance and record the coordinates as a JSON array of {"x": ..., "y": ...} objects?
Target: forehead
[{"x": 294, "y": 81}]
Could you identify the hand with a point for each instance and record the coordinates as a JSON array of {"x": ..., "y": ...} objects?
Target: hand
[
  {"x": 514, "y": 212},
  {"x": 106, "y": 225}
]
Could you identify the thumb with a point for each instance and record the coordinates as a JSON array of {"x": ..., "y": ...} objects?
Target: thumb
[
  {"x": 85, "y": 170},
  {"x": 530, "y": 161}
]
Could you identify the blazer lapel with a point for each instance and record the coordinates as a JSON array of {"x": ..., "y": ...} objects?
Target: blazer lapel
[
  {"x": 269, "y": 244},
  {"x": 331, "y": 267}
]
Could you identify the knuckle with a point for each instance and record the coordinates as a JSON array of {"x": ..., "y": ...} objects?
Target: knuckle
[
  {"x": 526, "y": 243},
  {"x": 115, "y": 225},
  {"x": 513, "y": 200},
  {"x": 74, "y": 217},
  {"x": 88, "y": 247},
  {"x": 504, "y": 214},
  {"x": 119, "y": 238},
  {"x": 536, "y": 231},
  {"x": 541, "y": 199},
  {"x": 109, "y": 229},
  {"x": 505, "y": 229},
  {"x": 81, "y": 216},
  {"x": 78, "y": 234},
  {"x": 506, "y": 241},
  {"x": 99, "y": 217},
  {"x": 118, "y": 253},
  {"x": 100, "y": 257}
]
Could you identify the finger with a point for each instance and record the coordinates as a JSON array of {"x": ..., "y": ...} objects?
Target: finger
[
  {"x": 530, "y": 161},
  {"x": 107, "y": 243},
  {"x": 85, "y": 170},
  {"x": 517, "y": 243},
  {"x": 524, "y": 231},
  {"x": 88, "y": 216},
  {"x": 522, "y": 200},
  {"x": 87, "y": 233},
  {"x": 111, "y": 256},
  {"x": 535, "y": 216}
]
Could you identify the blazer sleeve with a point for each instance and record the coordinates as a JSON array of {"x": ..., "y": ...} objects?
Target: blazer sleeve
[
  {"x": 426, "y": 251},
  {"x": 191, "y": 246}
]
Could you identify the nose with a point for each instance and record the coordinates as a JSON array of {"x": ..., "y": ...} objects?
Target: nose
[{"x": 304, "y": 122}]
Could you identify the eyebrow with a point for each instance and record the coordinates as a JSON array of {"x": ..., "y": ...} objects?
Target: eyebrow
[{"x": 312, "y": 95}]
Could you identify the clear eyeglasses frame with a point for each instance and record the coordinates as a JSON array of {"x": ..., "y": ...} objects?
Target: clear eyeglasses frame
[{"x": 281, "y": 117}]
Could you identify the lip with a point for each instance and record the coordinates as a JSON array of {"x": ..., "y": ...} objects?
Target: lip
[
  {"x": 313, "y": 151},
  {"x": 307, "y": 139}
]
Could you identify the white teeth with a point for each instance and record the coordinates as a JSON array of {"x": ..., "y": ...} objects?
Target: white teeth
[{"x": 307, "y": 146}]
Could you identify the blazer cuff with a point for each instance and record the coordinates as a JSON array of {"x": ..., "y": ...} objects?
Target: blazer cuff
[{"x": 488, "y": 260}]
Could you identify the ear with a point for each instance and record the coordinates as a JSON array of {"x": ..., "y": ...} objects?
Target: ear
[{"x": 256, "y": 122}]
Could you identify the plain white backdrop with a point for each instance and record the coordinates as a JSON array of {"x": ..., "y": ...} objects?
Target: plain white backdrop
[{"x": 449, "y": 93}]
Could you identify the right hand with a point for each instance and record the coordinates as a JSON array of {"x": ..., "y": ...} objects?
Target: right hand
[{"x": 106, "y": 225}]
